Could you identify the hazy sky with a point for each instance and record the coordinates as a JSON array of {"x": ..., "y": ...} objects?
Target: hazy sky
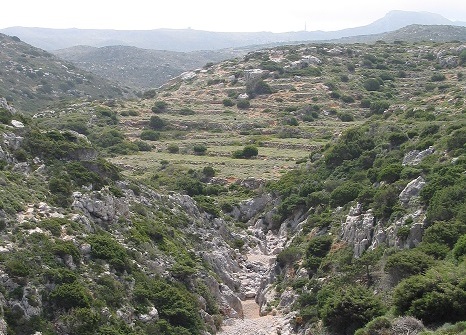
[{"x": 214, "y": 15}]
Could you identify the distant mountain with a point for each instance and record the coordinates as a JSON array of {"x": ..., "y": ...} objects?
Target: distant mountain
[
  {"x": 413, "y": 33},
  {"x": 32, "y": 78},
  {"x": 140, "y": 68},
  {"x": 190, "y": 39}
]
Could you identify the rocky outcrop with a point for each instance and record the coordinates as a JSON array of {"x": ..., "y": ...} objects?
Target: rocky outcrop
[
  {"x": 101, "y": 206},
  {"x": 358, "y": 229},
  {"x": 3, "y": 327},
  {"x": 12, "y": 141},
  {"x": 411, "y": 191},
  {"x": 4, "y": 104},
  {"x": 151, "y": 316},
  {"x": 250, "y": 208},
  {"x": 364, "y": 232},
  {"x": 415, "y": 157}
]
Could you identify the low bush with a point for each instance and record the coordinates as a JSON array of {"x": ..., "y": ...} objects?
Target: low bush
[
  {"x": 159, "y": 107},
  {"x": 149, "y": 135}
]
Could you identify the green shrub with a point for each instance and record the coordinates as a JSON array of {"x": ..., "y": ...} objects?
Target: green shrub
[
  {"x": 371, "y": 84},
  {"x": 248, "y": 151},
  {"x": 446, "y": 203},
  {"x": 457, "y": 139},
  {"x": 444, "y": 233},
  {"x": 390, "y": 173},
  {"x": 243, "y": 104},
  {"x": 289, "y": 256},
  {"x": 81, "y": 175},
  {"x": 5, "y": 116},
  {"x": 159, "y": 107},
  {"x": 70, "y": 295},
  {"x": 344, "y": 311},
  {"x": 228, "y": 102},
  {"x": 316, "y": 250},
  {"x": 378, "y": 107},
  {"x": 436, "y": 297},
  {"x": 344, "y": 193},
  {"x": 156, "y": 123},
  {"x": 208, "y": 172},
  {"x": 365, "y": 103},
  {"x": 150, "y": 135},
  {"x": 459, "y": 250},
  {"x": 173, "y": 148},
  {"x": 17, "y": 267},
  {"x": 438, "y": 77},
  {"x": 105, "y": 247},
  {"x": 61, "y": 190},
  {"x": 397, "y": 138},
  {"x": 199, "y": 149},
  {"x": 207, "y": 204},
  {"x": 347, "y": 98},
  {"x": 345, "y": 117},
  {"x": 406, "y": 263},
  {"x": 143, "y": 146},
  {"x": 54, "y": 225}
]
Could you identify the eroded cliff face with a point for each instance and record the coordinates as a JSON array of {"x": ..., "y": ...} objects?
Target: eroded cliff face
[{"x": 364, "y": 232}]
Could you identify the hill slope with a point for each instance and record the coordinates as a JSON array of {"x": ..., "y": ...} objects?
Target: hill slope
[
  {"x": 324, "y": 181},
  {"x": 32, "y": 78},
  {"x": 140, "y": 68}
]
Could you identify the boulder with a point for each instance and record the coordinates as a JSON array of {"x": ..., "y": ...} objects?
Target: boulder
[{"x": 17, "y": 124}]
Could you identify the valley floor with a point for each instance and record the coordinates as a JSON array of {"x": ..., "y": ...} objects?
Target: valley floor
[{"x": 253, "y": 324}]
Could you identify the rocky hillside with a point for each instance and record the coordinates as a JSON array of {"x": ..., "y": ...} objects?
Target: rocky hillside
[
  {"x": 32, "y": 78},
  {"x": 318, "y": 186},
  {"x": 141, "y": 69}
]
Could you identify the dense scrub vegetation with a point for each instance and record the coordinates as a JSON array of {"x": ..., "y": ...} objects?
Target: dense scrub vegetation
[{"x": 378, "y": 121}]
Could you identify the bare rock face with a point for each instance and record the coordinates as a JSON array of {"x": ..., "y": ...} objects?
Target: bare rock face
[
  {"x": 12, "y": 141},
  {"x": 4, "y": 104},
  {"x": 411, "y": 191},
  {"x": 363, "y": 231},
  {"x": 98, "y": 205},
  {"x": 358, "y": 229},
  {"x": 3, "y": 327},
  {"x": 248, "y": 209}
]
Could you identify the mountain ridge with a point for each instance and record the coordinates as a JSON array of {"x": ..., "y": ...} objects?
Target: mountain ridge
[{"x": 190, "y": 39}]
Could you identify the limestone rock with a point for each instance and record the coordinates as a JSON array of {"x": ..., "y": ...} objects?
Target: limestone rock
[
  {"x": 12, "y": 141},
  {"x": 5, "y": 105},
  {"x": 104, "y": 207},
  {"x": 254, "y": 74},
  {"x": 287, "y": 299},
  {"x": 411, "y": 190},
  {"x": 17, "y": 124},
  {"x": 3, "y": 327},
  {"x": 415, "y": 157},
  {"x": 358, "y": 230},
  {"x": 151, "y": 316},
  {"x": 248, "y": 209}
]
